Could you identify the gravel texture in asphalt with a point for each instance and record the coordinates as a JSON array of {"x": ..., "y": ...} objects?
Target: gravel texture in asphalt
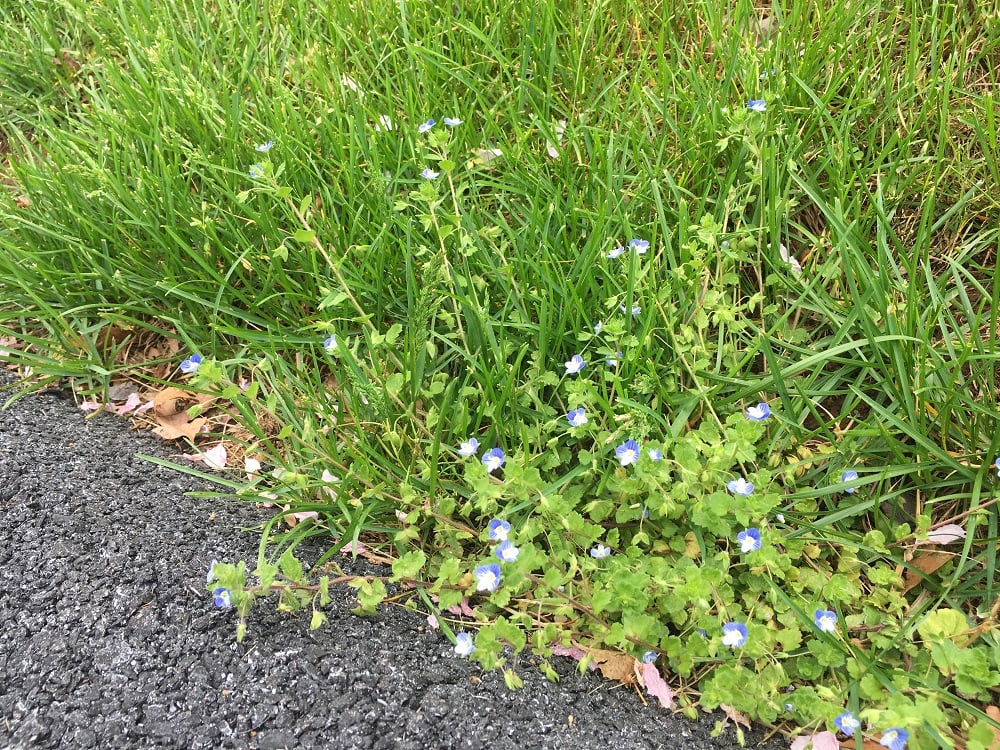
[{"x": 108, "y": 638}]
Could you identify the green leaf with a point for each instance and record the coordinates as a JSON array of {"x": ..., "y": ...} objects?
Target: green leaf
[
  {"x": 291, "y": 567},
  {"x": 305, "y": 236},
  {"x": 409, "y": 565},
  {"x": 317, "y": 619}
]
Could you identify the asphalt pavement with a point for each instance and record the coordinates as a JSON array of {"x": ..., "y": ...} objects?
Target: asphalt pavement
[{"x": 108, "y": 638}]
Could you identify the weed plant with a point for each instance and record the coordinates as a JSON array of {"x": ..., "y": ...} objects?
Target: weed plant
[{"x": 677, "y": 338}]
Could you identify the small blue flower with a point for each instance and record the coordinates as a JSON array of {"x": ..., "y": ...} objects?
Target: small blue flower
[
  {"x": 627, "y": 453},
  {"x": 616, "y": 252},
  {"x": 734, "y": 634},
  {"x": 425, "y": 126},
  {"x": 894, "y": 738},
  {"x": 430, "y": 174},
  {"x": 191, "y": 364},
  {"x": 613, "y": 360},
  {"x": 636, "y": 309},
  {"x": 469, "y": 448},
  {"x": 487, "y": 577},
  {"x": 599, "y": 325},
  {"x": 506, "y": 551},
  {"x": 577, "y": 417},
  {"x": 639, "y": 246},
  {"x": 758, "y": 413},
  {"x": 825, "y": 620},
  {"x": 452, "y": 122},
  {"x": 740, "y": 487},
  {"x": 221, "y": 595},
  {"x": 600, "y": 552},
  {"x": 211, "y": 571},
  {"x": 498, "y": 530},
  {"x": 749, "y": 540},
  {"x": 493, "y": 459},
  {"x": 846, "y": 723},
  {"x": 256, "y": 171},
  {"x": 757, "y": 105},
  {"x": 655, "y": 454},
  {"x": 575, "y": 364},
  {"x": 464, "y": 645},
  {"x": 849, "y": 476},
  {"x": 649, "y": 657},
  {"x": 264, "y": 147},
  {"x": 330, "y": 344}
]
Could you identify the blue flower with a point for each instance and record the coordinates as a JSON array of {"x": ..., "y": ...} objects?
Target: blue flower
[
  {"x": 749, "y": 540},
  {"x": 758, "y": 413},
  {"x": 211, "y": 571},
  {"x": 469, "y": 448},
  {"x": 487, "y": 577},
  {"x": 612, "y": 360},
  {"x": 616, "y": 252},
  {"x": 636, "y": 309},
  {"x": 498, "y": 530},
  {"x": 330, "y": 344},
  {"x": 997, "y": 465},
  {"x": 627, "y": 453},
  {"x": 430, "y": 174},
  {"x": 256, "y": 171},
  {"x": 599, "y": 325},
  {"x": 757, "y": 105},
  {"x": 264, "y": 147},
  {"x": 506, "y": 551},
  {"x": 894, "y": 738},
  {"x": 649, "y": 657},
  {"x": 493, "y": 459},
  {"x": 734, "y": 634},
  {"x": 846, "y": 723},
  {"x": 849, "y": 476},
  {"x": 639, "y": 246},
  {"x": 425, "y": 126},
  {"x": 221, "y": 595},
  {"x": 655, "y": 454},
  {"x": 740, "y": 487},
  {"x": 577, "y": 417},
  {"x": 575, "y": 364},
  {"x": 825, "y": 620},
  {"x": 191, "y": 364},
  {"x": 600, "y": 552},
  {"x": 452, "y": 121},
  {"x": 464, "y": 645}
]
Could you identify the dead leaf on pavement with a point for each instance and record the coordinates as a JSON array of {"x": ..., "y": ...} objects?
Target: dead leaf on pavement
[
  {"x": 734, "y": 716},
  {"x": 649, "y": 677}
]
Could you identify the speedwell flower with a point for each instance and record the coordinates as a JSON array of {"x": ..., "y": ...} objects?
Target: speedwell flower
[
  {"x": 425, "y": 126},
  {"x": 211, "y": 571},
  {"x": 749, "y": 540},
  {"x": 469, "y": 448},
  {"x": 758, "y": 413},
  {"x": 600, "y": 552},
  {"x": 636, "y": 309},
  {"x": 452, "y": 121},
  {"x": 639, "y": 246},
  {"x": 256, "y": 171},
  {"x": 264, "y": 147},
  {"x": 498, "y": 530},
  {"x": 627, "y": 453},
  {"x": 575, "y": 364},
  {"x": 487, "y": 577},
  {"x": 734, "y": 634},
  {"x": 191, "y": 364},
  {"x": 849, "y": 476},
  {"x": 649, "y": 657},
  {"x": 221, "y": 595},
  {"x": 330, "y": 343},
  {"x": 825, "y": 620},
  {"x": 655, "y": 454},
  {"x": 506, "y": 551},
  {"x": 894, "y": 738},
  {"x": 464, "y": 645},
  {"x": 616, "y": 252},
  {"x": 577, "y": 417},
  {"x": 493, "y": 459},
  {"x": 740, "y": 487},
  {"x": 757, "y": 105},
  {"x": 430, "y": 174},
  {"x": 846, "y": 723}
]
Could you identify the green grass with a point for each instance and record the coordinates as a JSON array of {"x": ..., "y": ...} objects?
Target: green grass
[{"x": 131, "y": 129}]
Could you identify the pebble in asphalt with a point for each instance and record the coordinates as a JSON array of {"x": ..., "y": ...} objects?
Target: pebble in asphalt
[{"x": 109, "y": 639}]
